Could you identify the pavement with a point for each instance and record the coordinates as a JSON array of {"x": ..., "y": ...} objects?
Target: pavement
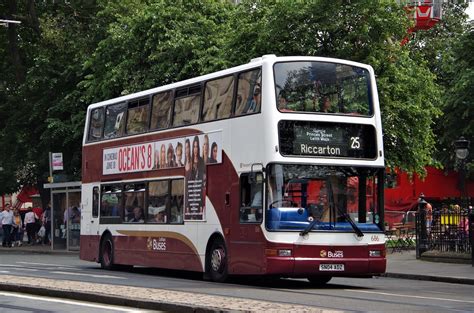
[{"x": 402, "y": 265}]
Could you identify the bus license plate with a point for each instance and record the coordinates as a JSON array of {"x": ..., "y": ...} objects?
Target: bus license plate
[{"x": 331, "y": 267}]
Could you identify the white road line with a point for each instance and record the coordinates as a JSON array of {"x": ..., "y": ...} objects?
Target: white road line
[
  {"x": 10, "y": 265},
  {"x": 46, "y": 264},
  {"x": 88, "y": 275},
  {"x": 5, "y": 272},
  {"x": 409, "y": 296},
  {"x": 72, "y": 302}
]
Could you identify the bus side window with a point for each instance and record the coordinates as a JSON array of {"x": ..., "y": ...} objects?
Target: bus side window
[
  {"x": 251, "y": 197},
  {"x": 95, "y": 202},
  {"x": 218, "y": 99},
  {"x": 186, "y": 110},
  {"x": 158, "y": 201},
  {"x": 161, "y": 110},
  {"x": 177, "y": 199},
  {"x": 137, "y": 116},
  {"x": 114, "y": 120},
  {"x": 249, "y": 92},
  {"x": 96, "y": 124}
]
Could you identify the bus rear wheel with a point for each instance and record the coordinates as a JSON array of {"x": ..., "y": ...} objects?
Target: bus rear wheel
[
  {"x": 218, "y": 270},
  {"x": 319, "y": 281},
  {"x": 107, "y": 253}
]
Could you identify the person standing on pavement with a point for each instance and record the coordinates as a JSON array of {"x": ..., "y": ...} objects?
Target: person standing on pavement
[
  {"x": 30, "y": 222},
  {"x": 47, "y": 224},
  {"x": 17, "y": 230},
  {"x": 429, "y": 217},
  {"x": 7, "y": 221}
]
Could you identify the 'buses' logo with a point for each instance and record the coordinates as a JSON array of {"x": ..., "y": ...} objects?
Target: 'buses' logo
[
  {"x": 156, "y": 244},
  {"x": 331, "y": 254}
]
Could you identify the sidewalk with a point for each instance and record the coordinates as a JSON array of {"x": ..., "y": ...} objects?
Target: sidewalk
[{"x": 405, "y": 265}]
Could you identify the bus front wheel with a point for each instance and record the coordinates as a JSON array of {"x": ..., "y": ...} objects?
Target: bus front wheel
[
  {"x": 318, "y": 281},
  {"x": 107, "y": 253},
  {"x": 218, "y": 261}
]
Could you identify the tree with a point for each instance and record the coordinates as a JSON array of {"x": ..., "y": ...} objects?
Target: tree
[{"x": 364, "y": 31}]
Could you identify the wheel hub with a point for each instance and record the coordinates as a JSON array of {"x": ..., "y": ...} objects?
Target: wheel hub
[{"x": 217, "y": 258}]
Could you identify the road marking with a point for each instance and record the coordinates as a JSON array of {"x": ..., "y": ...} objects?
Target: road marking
[
  {"x": 88, "y": 275},
  {"x": 5, "y": 272},
  {"x": 46, "y": 264},
  {"x": 72, "y": 302},
  {"x": 410, "y": 296}
]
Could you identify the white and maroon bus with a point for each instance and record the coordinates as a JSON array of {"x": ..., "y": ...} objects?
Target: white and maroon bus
[{"x": 274, "y": 167}]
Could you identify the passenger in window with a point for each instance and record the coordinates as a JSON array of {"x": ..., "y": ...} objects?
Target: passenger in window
[
  {"x": 254, "y": 104},
  {"x": 137, "y": 216},
  {"x": 170, "y": 157},
  {"x": 160, "y": 216},
  {"x": 163, "y": 156},
  {"x": 179, "y": 155},
  {"x": 283, "y": 102},
  {"x": 205, "y": 149},
  {"x": 326, "y": 105},
  {"x": 213, "y": 158}
]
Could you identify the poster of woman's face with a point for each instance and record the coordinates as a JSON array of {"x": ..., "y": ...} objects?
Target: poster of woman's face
[{"x": 179, "y": 152}]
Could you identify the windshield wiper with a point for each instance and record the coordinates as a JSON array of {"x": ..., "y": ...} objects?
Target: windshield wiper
[
  {"x": 309, "y": 227},
  {"x": 348, "y": 218}
]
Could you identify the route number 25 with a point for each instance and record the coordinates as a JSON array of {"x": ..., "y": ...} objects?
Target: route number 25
[{"x": 355, "y": 142}]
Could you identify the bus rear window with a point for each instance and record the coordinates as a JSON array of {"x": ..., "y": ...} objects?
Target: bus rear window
[
  {"x": 96, "y": 124},
  {"x": 322, "y": 87}
]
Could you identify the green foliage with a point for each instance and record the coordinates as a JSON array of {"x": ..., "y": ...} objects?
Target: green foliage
[{"x": 89, "y": 51}]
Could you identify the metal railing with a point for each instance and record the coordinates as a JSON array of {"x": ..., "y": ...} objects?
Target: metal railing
[{"x": 443, "y": 231}]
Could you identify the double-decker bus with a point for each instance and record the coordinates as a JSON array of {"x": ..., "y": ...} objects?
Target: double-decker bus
[{"x": 274, "y": 167}]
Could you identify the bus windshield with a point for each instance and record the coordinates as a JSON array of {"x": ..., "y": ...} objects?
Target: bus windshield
[
  {"x": 329, "y": 197},
  {"x": 322, "y": 87}
]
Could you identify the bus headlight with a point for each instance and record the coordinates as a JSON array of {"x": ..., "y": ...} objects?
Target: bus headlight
[
  {"x": 375, "y": 253},
  {"x": 284, "y": 252}
]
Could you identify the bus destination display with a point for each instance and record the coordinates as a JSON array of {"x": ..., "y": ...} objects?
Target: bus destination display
[{"x": 320, "y": 139}]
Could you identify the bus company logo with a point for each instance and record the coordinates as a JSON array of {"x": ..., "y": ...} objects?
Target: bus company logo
[
  {"x": 331, "y": 254},
  {"x": 335, "y": 254},
  {"x": 156, "y": 244}
]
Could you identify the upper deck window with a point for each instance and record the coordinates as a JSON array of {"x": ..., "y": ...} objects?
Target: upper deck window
[
  {"x": 186, "y": 106},
  {"x": 322, "y": 87},
  {"x": 161, "y": 111},
  {"x": 137, "y": 116},
  {"x": 249, "y": 92},
  {"x": 96, "y": 124},
  {"x": 218, "y": 98},
  {"x": 114, "y": 120}
]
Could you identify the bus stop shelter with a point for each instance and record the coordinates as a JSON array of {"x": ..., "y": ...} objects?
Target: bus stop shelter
[{"x": 65, "y": 215}]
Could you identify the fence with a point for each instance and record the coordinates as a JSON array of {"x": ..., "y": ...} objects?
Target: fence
[{"x": 447, "y": 231}]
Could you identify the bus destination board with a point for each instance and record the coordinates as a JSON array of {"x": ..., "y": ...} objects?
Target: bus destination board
[{"x": 322, "y": 139}]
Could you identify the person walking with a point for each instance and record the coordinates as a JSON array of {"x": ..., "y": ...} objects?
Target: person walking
[
  {"x": 47, "y": 224},
  {"x": 30, "y": 222},
  {"x": 7, "y": 221}
]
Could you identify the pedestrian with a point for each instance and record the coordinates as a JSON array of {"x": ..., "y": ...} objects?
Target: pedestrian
[
  {"x": 30, "y": 222},
  {"x": 47, "y": 224},
  {"x": 429, "y": 217},
  {"x": 7, "y": 221},
  {"x": 17, "y": 230}
]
